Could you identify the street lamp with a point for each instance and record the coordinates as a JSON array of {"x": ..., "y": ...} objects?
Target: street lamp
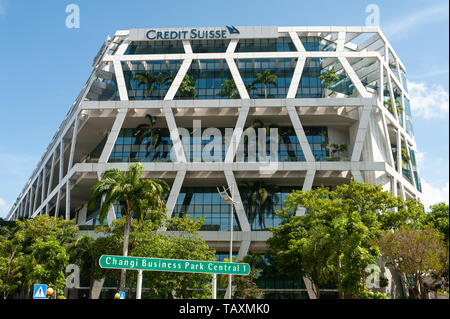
[{"x": 229, "y": 199}]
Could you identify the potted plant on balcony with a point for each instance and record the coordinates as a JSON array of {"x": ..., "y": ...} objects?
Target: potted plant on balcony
[
  {"x": 187, "y": 87},
  {"x": 228, "y": 89},
  {"x": 329, "y": 78},
  {"x": 398, "y": 105},
  {"x": 334, "y": 150}
]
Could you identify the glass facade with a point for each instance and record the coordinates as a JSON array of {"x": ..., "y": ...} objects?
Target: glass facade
[
  {"x": 205, "y": 202},
  {"x": 155, "y": 47},
  {"x": 398, "y": 101},
  {"x": 261, "y": 212},
  {"x": 281, "y": 44},
  {"x": 412, "y": 155},
  {"x": 408, "y": 118},
  {"x": 405, "y": 158},
  {"x": 404, "y": 81},
  {"x": 317, "y": 44},
  {"x": 311, "y": 86},
  {"x": 209, "y": 75},
  {"x": 149, "y": 80},
  {"x": 209, "y": 46},
  {"x": 126, "y": 149},
  {"x": 282, "y": 68}
]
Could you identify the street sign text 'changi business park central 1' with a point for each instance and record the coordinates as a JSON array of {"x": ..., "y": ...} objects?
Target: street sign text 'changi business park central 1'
[{"x": 175, "y": 265}]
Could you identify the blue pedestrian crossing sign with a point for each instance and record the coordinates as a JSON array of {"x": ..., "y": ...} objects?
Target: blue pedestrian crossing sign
[
  {"x": 121, "y": 294},
  {"x": 40, "y": 291}
]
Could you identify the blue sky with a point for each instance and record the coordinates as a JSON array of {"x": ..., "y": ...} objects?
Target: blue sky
[{"x": 43, "y": 64}]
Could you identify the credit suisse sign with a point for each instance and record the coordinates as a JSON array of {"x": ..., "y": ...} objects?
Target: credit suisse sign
[
  {"x": 193, "y": 33},
  {"x": 227, "y": 32}
]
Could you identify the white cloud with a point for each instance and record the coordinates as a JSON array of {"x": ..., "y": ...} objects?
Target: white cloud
[
  {"x": 4, "y": 208},
  {"x": 428, "y": 101},
  {"x": 433, "y": 195},
  {"x": 420, "y": 158}
]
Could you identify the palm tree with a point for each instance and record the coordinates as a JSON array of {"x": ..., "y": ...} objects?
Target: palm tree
[
  {"x": 148, "y": 130},
  {"x": 139, "y": 196},
  {"x": 260, "y": 197},
  {"x": 250, "y": 87},
  {"x": 284, "y": 136},
  {"x": 266, "y": 78},
  {"x": 146, "y": 78},
  {"x": 163, "y": 80}
]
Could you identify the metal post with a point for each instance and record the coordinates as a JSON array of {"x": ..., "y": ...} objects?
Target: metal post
[
  {"x": 231, "y": 243},
  {"x": 227, "y": 198},
  {"x": 139, "y": 285},
  {"x": 214, "y": 286}
]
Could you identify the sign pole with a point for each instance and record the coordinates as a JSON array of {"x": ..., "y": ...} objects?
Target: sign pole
[
  {"x": 231, "y": 241},
  {"x": 214, "y": 286},
  {"x": 139, "y": 285}
]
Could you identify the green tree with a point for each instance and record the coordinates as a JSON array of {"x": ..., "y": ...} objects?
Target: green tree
[
  {"x": 415, "y": 253},
  {"x": 398, "y": 106},
  {"x": 81, "y": 253},
  {"x": 329, "y": 78},
  {"x": 260, "y": 198},
  {"x": 148, "y": 131},
  {"x": 228, "y": 89},
  {"x": 244, "y": 287},
  {"x": 32, "y": 251},
  {"x": 11, "y": 266},
  {"x": 147, "y": 79},
  {"x": 266, "y": 78},
  {"x": 46, "y": 263},
  {"x": 334, "y": 239},
  {"x": 187, "y": 244},
  {"x": 438, "y": 218},
  {"x": 139, "y": 197},
  {"x": 187, "y": 87},
  {"x": 409, "y": 213},
  {"x": 146, "y": 241},
  {"x": 162, "y": 80}
]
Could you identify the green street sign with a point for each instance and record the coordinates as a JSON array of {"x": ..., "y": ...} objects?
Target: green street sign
[{"x": 175, "y": 265}]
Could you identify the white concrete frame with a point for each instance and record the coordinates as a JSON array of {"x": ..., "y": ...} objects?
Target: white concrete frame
[{"x": 372, "y": 57}]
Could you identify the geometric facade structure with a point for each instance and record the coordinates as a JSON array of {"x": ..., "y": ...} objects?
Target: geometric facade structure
[{"x": 357, "y": 128}]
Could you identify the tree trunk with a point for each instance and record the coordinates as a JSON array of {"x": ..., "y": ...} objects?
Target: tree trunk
[
  {"x": 126, "y": 236},
  {"x": 340, "y": 293},
  {"x": 184, "y": 289},
  {"x": 316, "y": 289}
]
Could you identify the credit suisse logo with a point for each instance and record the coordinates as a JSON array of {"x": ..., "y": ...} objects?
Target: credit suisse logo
[{"x": 194, "y": 33}]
